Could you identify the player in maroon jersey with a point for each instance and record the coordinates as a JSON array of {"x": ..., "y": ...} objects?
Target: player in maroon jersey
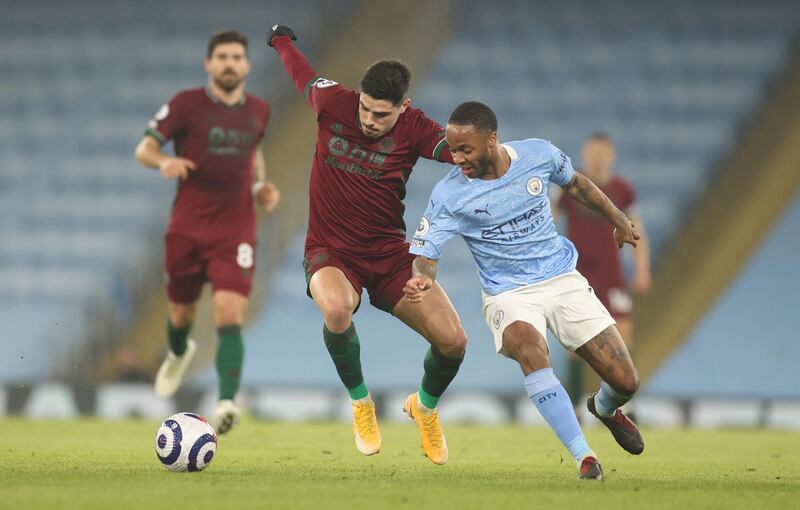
[
  {"x": 599, "y": 257},
  {"x": 211, "y": 237},
  {"x": 367, "y": 144}
]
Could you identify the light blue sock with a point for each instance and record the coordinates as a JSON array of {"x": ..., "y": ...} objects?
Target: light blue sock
[
  {"x": 548, "y": 395},
  {"x": 608, "y": 400}
]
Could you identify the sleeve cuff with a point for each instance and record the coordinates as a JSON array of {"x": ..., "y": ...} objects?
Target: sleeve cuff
[
  {"x": 161, "y": 139},
  {"x": 438, "y": 149},
  {"x": 424, "y": 248}
]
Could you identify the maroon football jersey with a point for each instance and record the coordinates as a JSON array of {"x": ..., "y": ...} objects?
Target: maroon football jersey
[
  {"x": 593, "y": 234},
  {"x": 358, "y": 183},
  {"x": 216, "y": 199}
]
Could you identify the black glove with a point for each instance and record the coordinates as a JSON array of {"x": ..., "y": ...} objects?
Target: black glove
[{"x": 278, "y": 30}]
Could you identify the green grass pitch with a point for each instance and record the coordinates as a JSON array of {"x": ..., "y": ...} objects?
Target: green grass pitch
[{"x": 112, "y": 465}]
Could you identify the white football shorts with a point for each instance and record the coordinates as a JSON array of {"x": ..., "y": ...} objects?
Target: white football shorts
[{"x": 565, "y": 304}]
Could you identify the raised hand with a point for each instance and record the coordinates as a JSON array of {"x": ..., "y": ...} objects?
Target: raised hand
[{"x": 278, "y": 30}]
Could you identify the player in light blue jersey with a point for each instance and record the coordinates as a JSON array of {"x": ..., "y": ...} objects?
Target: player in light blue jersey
[{"x": 496, "y": 199}]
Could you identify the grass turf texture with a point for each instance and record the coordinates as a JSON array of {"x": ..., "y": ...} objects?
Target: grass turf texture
[{"x": 92, "y": 464}]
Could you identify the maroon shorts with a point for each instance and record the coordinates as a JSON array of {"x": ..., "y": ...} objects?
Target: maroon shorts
[
  {"x": 384, "y": 276},
  {"x": 227, "y": 262}
]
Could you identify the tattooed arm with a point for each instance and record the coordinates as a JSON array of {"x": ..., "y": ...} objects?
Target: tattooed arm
[
  {"x": 584, "y": 191},
  {"x": 423, "y": 274}
]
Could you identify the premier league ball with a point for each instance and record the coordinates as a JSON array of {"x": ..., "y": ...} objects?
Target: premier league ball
[{"x": 186, "y": 442}]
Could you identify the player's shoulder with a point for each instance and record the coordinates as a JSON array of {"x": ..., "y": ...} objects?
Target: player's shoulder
[
  {"x": 534, "y": 148},
  {"x": 412, "y": 114},
  {"x": 256, "y": 102},
  {"x": 454, "y": 183},
  {"x": 193, "y": 94},
  {"x": 414, "y": 118},
  {"x": 346, "y": 96},
  {"x": 341, "y": 101}
]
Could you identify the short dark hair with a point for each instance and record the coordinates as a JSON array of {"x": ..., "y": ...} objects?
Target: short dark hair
[
  {"x": 473, "y": 113},
  {"x": 223, "y": 37},
  {"x": 601, "y": 136},
  {"x": 387, "y": 79}
]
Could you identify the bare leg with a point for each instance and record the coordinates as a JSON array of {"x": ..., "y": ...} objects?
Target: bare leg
[
  {"x": 335, "y": 296},
  {"x": 436, "y": 320},
  {"x": 338, "y": 299},
  {"x": 523, "y": 343},
  {"x": 526, "y": 346},
  {"x": 181, "y": 315},
  {"x": 607, "y": 355},
  {"x": 625, "y": 328},
  {"x": 229, "y": 308}
]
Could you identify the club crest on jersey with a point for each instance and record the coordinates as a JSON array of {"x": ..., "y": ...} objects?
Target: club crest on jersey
[
  {"x": 338, "y": 146},
  {"x": 497, "y": 318},
  {"x": 424, "y": 227},
  {"x": 535, "y": 186},
  {"x": 323, "y": 83}
]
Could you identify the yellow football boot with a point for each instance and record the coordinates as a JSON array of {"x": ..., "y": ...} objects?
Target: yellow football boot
[
  {"x": 433, "y": 442},
  {"x": 365, "y": 427}
]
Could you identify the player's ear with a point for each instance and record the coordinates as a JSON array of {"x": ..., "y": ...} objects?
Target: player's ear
[
  {"x": 206, "y": 65},
  {"x": 405, "y": 104}
]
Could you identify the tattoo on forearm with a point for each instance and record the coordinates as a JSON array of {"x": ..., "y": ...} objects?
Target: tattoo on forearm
[
  {"x": 584, "y": 191},
  {"x": 424, "y": 266}
]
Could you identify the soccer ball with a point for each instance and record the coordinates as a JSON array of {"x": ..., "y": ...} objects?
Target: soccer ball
[{"x": 186, "y": 442}]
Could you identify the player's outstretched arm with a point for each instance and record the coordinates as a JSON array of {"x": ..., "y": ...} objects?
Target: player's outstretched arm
[
  {"x": 148, "y": 153},
  {"x": 423, "y": 274},
  {"x": 584, "y": 191},
  {"x": 297, "y": 67}
]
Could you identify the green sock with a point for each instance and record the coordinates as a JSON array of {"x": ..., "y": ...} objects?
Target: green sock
[
  {"x": 575, "y": 379},
  {"x": 177, "y": 337},
  {"x": 230, "y": 355},
  {"x": 439, "y": 372},
  {"x": 345, "y": 351}
]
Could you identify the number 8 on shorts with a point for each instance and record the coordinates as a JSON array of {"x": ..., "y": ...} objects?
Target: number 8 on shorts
[{"x": 244, "y": 256}]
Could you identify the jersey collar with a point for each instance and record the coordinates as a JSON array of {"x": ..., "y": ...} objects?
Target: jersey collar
[
  {"x": 511, "y": 154},
  {"x": 216, "y": 100}
]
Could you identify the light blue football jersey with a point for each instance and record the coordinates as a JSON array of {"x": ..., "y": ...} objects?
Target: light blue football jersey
[{"x": 506, "y": 222}]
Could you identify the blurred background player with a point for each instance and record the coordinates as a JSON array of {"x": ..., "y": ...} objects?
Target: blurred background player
[
  {"x": 211, "y": 237},
  {"x": 367, "y": 145},
  {"x": 600, "y": 260},
  {"x": 496, "y": 199}
]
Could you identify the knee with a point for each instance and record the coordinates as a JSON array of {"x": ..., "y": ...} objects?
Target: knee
[
  {"x": 181, "y": 316},
  {"x": 524, "y": 344},
  {"x": 338, "y": 315},
  {"x": 628, "y": 382},
  {"x": 454, "y": 343},
  {"x": 228, "y": 312}
]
